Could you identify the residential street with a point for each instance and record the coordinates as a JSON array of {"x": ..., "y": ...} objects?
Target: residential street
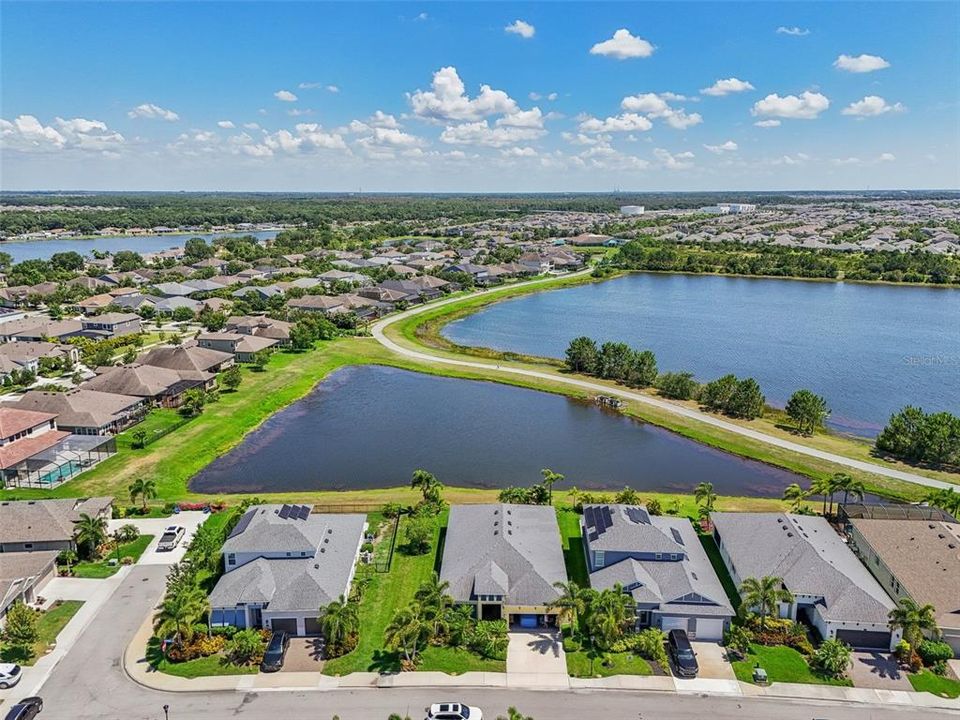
[{"x": 89, "y": 684}]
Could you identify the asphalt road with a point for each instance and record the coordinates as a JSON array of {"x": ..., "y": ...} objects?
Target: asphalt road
[
  {"x": 90, "y": 684},
  {"x": 707, "y": 418}
]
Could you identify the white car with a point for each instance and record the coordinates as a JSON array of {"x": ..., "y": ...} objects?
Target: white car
[
  {"x": 453, "y": 711},
  {"x": 10, "y": 675},
  {"x": 171, "y": 538}
]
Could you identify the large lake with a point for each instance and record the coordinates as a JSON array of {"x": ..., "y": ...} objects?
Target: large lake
[
  {"x": 21, "y": 250},
  {"x": 868, "y": 349},
  {"x": 371, "y": 427}
]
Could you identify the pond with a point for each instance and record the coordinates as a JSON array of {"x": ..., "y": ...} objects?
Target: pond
[
  {"x": 371, "y": 427},
  {"x": 21, "y": 250},
  {"x": 868, "y": 349}
]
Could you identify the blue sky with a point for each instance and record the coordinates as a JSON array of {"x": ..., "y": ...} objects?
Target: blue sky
[{"x": 390, "y": 96}]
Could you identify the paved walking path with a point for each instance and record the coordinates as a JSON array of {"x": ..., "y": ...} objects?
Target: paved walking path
[{"x": 378, "y": 333}]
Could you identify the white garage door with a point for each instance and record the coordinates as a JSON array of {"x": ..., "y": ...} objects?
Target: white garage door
[
  {"x": 673, "y": 623},
  {"x": 711, "y": 629}
]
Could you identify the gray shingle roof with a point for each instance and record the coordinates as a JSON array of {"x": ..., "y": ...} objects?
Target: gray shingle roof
[
  {"x": 509, "y": 550},
  {"x": 45, "y": 520},
  {"x": 665, "y": 583},
  {"x": 809, "y": 556},
  {"x": 290, "y": 584}
]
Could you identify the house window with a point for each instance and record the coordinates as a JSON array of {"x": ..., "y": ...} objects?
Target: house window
[
  {"x": 599, "y": 558},
  {"x": 658, "y": 556},
  {"x": 28, "y": 546},
  {"x": 231, "y": 559},
  {"x": 673, "y": 556},
  {"x": 643, "y": 617}
]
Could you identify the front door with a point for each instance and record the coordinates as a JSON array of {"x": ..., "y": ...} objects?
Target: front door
[{"x": 256, "y": 617}]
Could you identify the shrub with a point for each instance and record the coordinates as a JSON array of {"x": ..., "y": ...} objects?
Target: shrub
[
  {"x": 939, "y": 667},
  {"x": 126, "y": 560},
  {"x": 934, "y": 651},
  {"x": 654, "y": 507},
  {"x": 832, "y": 658},
  {"x": 391, "y": 510},
  {"x": 246, "y": 647},
  {"x": 227, "y": 631},
  {"x": 649, "y": 644},
  {"x": 902, "y": 651},
  {"x": 738, "y": 638},
  {"x": 128, "y": 533}
]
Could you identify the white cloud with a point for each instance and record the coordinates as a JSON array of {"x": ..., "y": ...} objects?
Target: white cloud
[
  {"x": 676, "y": 97},
  {"x": 521, "y": 28},
  {"x": 655, "y": 106},
  {"x": 532, "y": 118},
  {"x": 622, "y": 46},
  {"x": 680, "y": 161},
  {"x": 226, "y": 124},
  {"x": 251, "y": 126},
  {"x": 860, "y": 63},
  {"x": 767, "y": 123},
  {"x": 149, "y": 111},
  {"x": 881, "y": 158},
  {"x": 807, "y": 106},
  {"x": 285, "y": 96},
  {"x": 480, "y": 133},
  {"x": 795, "y": 31},
  {"x": 582, "y": 139},
  {"x": 797, "y": 159},
  {"x": 298, "y": 112},
  {"x": 27, "y": 134},
  {"x": 535, "y": 96},
  {"x": 728, "y": 146},
  {"x": 726, "y": 87},
  {"x": 625, "y": 122},
  {"x": 421, "y": 17},
  {"x": 519, "y": 152},
  {"x": 309, "y": 85},
  {"x": 552, "y": 96},
  {"x": 887, "y": 157},
  {"x": 871, "y": 106},
  {"x": 332, "y": 88},
  {"x": 447, "y": 99}
]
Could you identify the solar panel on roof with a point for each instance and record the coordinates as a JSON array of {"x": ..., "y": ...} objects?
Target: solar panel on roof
[
  {"x": 638, "y": 515},
  {"x": 590, "y": 517},
  {"x": 243, "y": 523},
  {"x": 284, "y": 511},
  {"x": 676, "y": 535},
  {"x": 303, "y": 512}
]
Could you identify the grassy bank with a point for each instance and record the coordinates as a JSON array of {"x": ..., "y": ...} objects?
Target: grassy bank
[
  {"x": 49, "y": 625},
  {"x": 103, "y": 569}
]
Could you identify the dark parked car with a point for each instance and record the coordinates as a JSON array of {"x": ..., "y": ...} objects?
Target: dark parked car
[
  {"x": 276, "y": 651},
  {"x": 684, "y": 658},
  {"x": 26, "y": 709}
]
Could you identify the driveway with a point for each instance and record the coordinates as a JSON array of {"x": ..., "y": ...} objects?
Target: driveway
[
  {"x": 305, "y": 654},
  {"x": 711, "y": 657},
  {"x": 190, "y": 520},
  {"x": 535, "y": 658},
  {"x": 878, "y": 670}
]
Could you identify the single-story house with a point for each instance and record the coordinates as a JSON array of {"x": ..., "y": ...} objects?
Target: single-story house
[
  {"x": 27, "y": 353},
  {"x": 832, "y": 590},
  {"x": 161, "y": 385},
  {"x": 39, "y": 329},
  {"x": 169, "y": 305},
  {"x": 87, "y": 412},
  {"x": 32, "y": 525},
  {"x": 242, "y": 347},
  {"x": 282, "y": 563},
  {"x": 919, "y": 559},
  {"x": 261, "y": 327},
  {"x": 187, "y": 357},
  {"x": 504, "y": 560},
  {"x": 660, "y": 563},
  {"x": 23, "y": 575}
]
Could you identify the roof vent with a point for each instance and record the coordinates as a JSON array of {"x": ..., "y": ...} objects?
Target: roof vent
[
  {"x": 316, "y": 566},
  {"x": 326, "y": 540},
  {"x": 789, "y": 534},
  {"x": 323, "y": 550}
]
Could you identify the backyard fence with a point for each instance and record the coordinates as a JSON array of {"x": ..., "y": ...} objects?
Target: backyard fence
[{"x": 382, "y": 564}]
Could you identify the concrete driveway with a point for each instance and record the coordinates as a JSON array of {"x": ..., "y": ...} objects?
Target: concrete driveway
[
  {"x": 305, "y": 654},
  {"x": 535, "y": 658},
  {"x": 189, "y": 520},
  {"x": 878, "y": 670},
  {"x": 711, "y": 657}
]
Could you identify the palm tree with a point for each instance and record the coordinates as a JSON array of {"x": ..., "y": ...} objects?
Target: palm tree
[
  {"x": 947, "y": 500},
  {"x": 91, "y": 532},
  {"x": 913, "y": 619},
  {"x": 573, "y": 600},
  {"x": 823, "y": 487},
  {"x": 549, "y": 478},
  {"x": 704, "y": 494},
  {"x": 795, "y": 495},
  {"x": 429, "y": 486},
  {"x": 339, "y": 621},
  {"x": 179, "y": 612},
  {"x": 849, "y": 485},
  {"x": 408, "y": 631},
  {"x": 763, "y": 595},
  {"x": 608, "y": 614},
  {"x": 145, "y": 489},
  {"x": 434, "y": 601}
]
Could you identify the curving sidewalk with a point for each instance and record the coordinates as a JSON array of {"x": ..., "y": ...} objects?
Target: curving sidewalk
[{"x": 381, "y": 325}]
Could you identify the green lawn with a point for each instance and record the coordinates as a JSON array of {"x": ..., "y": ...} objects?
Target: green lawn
[
  {"x": 103, "y": 569},
  {"x": 200, "y": 667},
  {"x": 156, "y": 423},
  {"x": 713, "y": 552},
  {"x": 578, "y": 664},
  {"x": 456, "y": 661},
  {"x": 783, "y": 664},
  {"x": 383, "y": 596},
  {"x": 573, "y": 557},
  {"x": 926, "y": 681},
  {"x": 49, "y": 626}
]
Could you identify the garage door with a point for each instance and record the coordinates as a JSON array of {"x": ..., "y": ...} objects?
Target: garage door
[
  {"x": 709, "y": 629},
  {"x": 288, "y": 625},
  {"x": 529, "y": 621},
  {"x": 311, "y": 626},
  {"x": 673, "y": 623},
  {"x": 865, "y": 639}
]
